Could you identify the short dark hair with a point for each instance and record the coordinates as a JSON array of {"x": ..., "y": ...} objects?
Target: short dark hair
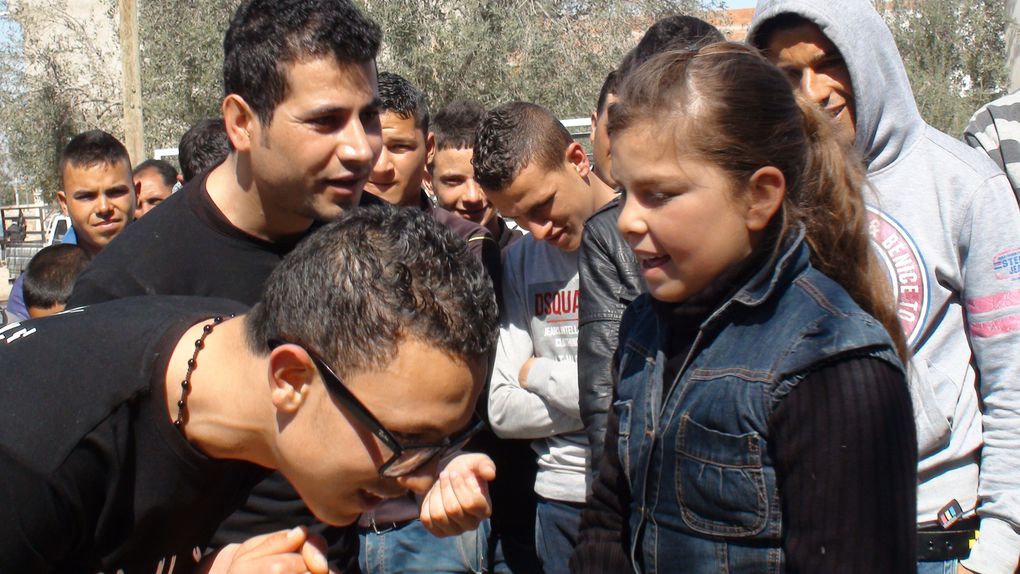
[
  {"x": 456, "y": 124},
  {"x": 165, "y": 169},
  {"x": 513, "y": 135},
  {"x": 265, "y": 36},
  {"x": 670, "y": 33},
  {"x": 401, "y": 97},
  {"x": 609, "y": 86},
  {"x": 203, "y": 146},
  {"x": 50, "y": 275},
  {"x": 90, "y": 148},
  {"x": 357, "y": 287}
]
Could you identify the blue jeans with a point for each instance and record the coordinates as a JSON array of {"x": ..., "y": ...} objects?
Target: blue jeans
[
  {"x": 947, "y": 567},
  {"x": 556, "y": 526},
  {"x": 411, "y": 548}
]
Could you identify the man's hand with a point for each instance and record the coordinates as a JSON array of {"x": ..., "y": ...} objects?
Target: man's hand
[
  {"x": 459, "y": 500},
  {"x": 522, "y": 376},
  {"x": 961, "y": 570},
  {"x": 285, "y": 552}
]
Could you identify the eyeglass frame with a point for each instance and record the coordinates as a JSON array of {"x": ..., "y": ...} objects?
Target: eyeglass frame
[{"x": 337, "y": 388}]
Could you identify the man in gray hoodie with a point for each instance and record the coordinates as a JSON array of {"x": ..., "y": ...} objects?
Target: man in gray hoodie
[{"x": 944, "y": 220}]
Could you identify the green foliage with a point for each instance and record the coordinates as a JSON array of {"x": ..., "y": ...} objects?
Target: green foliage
[
  {"x": 49, "y": 92},
  {"x": 955, "y": 55},
  {"x": 552, "y": 52},
  {"x": 182, "y": 65}
]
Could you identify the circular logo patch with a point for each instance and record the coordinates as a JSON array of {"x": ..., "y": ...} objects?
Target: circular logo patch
[{"x": 905, "y": 269}]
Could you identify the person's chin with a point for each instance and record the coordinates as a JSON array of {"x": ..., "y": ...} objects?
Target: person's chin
[
  {"x": 388, "y": 192},
  {"x": 666, "y": 291},
  {"x": 346, "y": 195},
  {"x": 565, "y": 241},
  {"x": 101, "y": 240},
  {"x": 341, "y": 520},
  {"x": 337, "y": 516},
  {"x": 473, "y": 216},
  {"x": 330, "y": 208}
]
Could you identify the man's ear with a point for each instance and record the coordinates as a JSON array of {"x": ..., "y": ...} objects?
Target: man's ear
[
  {"x": 594, "y": 126},
  {"x": 430, "y": 148},
  {"x": 575, "y": 156},
  {"x": 138, "y": 198},
  {"x": 62, "y": 200},
  {"x": 291, "y": 371},
  {"x": 240, "y": 121},
  {"x": 430, "y": 156},
  {"x": 766, "y": 190}
]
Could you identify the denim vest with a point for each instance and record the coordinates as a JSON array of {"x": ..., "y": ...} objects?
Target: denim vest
[{"x": 697, "y": 459}]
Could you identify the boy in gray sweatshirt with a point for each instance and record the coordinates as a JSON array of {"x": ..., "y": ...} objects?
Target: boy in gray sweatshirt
[
  {"x": 534, "y": 172},
  {"x": 945, "y": 222}
]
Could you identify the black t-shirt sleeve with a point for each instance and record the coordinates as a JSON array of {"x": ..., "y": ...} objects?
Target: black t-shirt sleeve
[
  {"x": 97, "y": 285},
  {"x": 605, "y": 529},
  {"x": 846, "y": 459}
]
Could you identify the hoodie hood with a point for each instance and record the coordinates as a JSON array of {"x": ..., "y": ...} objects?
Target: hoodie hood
[{"x": 887, "y": 120}]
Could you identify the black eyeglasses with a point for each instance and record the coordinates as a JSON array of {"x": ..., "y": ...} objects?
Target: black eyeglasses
[{"x": 405, "y": 458}]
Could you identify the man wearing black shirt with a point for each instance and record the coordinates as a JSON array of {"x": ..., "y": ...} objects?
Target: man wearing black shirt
[
  {"x": 301, "y": 113},
  {"x": 132, "y": 468}
]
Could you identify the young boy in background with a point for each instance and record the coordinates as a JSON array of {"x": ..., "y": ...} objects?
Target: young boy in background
[{"x": 50, "y": 276}]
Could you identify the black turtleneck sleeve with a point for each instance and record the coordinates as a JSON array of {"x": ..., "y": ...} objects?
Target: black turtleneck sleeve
[
  {"x": 605, "y": 532},
  {"x": 846, "y": 460}
]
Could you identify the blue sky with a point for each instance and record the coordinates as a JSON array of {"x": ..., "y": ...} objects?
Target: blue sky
[{"x": 740, "y": 3}]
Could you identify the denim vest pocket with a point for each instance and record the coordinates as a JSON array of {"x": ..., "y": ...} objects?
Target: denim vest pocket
[
  {"x": 622, "y": 409},
  {"x": 720, "y": 482}
]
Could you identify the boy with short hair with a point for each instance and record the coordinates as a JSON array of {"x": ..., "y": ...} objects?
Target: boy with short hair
[
  {"x": 97, "y": 190},
  {"x": 49, "y": 278},
  {"x": 534, "y": 172},
  {"x": 97, "y": 193},
  {"x": 399, "y": 171},
  {"x": 321, "y": 380},
  {"x": 452, "y": 175}
]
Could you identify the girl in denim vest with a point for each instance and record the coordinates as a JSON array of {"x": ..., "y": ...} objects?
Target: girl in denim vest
[{"x": 761, "y": 421}]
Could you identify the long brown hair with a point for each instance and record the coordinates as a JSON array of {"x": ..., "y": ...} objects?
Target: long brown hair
[{"x": 728, "y": 105}]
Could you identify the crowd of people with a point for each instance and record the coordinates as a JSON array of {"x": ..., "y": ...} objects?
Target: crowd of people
[{"x": 771, "y": 326}]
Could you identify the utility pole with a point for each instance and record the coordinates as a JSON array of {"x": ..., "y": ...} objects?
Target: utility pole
[{"x": 131, "y": 66}]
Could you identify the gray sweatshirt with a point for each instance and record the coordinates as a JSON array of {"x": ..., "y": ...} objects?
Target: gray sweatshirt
[
  {"x": 946, "y": 225},
  {"x": 540, "y": 301}
]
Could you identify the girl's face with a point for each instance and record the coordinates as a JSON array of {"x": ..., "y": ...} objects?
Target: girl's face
[{"x": 680, "y": 215}]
